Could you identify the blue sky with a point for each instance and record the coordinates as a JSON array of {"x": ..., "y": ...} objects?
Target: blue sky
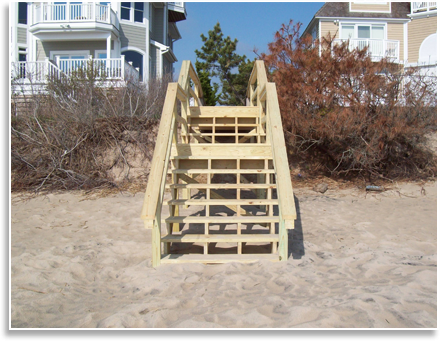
[{"x": 252, "y": 23}]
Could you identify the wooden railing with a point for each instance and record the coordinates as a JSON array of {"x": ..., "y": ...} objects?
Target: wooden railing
[
  {"x": 263, "y": 94},
  {"x": 166, "y": 137}
]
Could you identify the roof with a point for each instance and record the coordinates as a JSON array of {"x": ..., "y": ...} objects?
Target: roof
[{"x": 399, "y": 10}]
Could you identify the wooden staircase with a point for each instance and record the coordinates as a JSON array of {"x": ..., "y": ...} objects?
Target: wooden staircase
[{"x": 231, "y": 198}]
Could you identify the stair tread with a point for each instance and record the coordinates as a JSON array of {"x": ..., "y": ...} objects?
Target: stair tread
[
  {"x": 224, "y": 111},
  {"x": 223, "y": 202},
  {"x": 223, "y": 171},
  {"x": 231, "y": 238},
  {"x": 222, "y": 219},
  {"x": 218, "y": 258},
  {"x": 220, "y": 157},
  {"x": 221, "y": 186},
  {"x": 227, "y": 134},
  {"x": 237, "y": 150}
]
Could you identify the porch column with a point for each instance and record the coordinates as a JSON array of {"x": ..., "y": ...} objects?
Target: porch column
[{"x": 109, "y": 45}]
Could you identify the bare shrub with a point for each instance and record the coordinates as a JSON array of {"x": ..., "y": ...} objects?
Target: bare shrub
[
  {"x": 80, "y": 127},
  {"x": 356, "y": 115}
]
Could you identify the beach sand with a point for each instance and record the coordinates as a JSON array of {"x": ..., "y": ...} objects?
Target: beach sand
[{"x": 356, "y": 260}]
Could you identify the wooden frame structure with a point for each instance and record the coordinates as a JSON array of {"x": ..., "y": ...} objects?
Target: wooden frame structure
[{"x": 229, "y": 161}]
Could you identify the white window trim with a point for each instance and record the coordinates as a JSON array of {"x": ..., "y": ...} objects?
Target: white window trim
[{"x": 360, "y": 23}]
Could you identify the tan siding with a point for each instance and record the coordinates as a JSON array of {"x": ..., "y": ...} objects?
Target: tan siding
[
  {"x": 370, "y": 7},
  {"x": 131, "y": 35},
  {"x": 44, "y": 48},
  {"x": 418, "y": 30},
  {"x": 329, "y": 27},
  {"x": 21, "y": 35},
  {"x": 395, "y": 32}
]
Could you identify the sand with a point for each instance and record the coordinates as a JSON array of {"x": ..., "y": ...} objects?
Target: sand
[{"x": 356, "y": 260}]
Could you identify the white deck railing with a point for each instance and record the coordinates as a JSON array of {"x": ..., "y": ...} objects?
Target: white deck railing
[
  {"x": 105, "y": 69},
  {"x": 377, "y": 48},
  {"x": 109, "y": 68},
  {"x": 35, "y": 72},
  {"x": 90, "y": 12},
  {"x": 417, "y": 7}
]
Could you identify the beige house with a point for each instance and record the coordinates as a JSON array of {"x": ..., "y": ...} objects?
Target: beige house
[{"x": 402, "y": 31}]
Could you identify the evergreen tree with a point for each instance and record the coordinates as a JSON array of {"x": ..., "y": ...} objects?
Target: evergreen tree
[
  {"x": 219, "y": 60},
  {"x": 209, "y": 93}
]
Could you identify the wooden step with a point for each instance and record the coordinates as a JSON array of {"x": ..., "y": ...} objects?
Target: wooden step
[
  {"x": 218, "y": 111},
  {"x": 217, "y": 202},
  {"x": 226, "y": 134},
  {"x": 221, "y": 171},
  {"x": 238, "y": 151},
  {"x": 221, "y": 238},
  {"x": 222, "y": 125},
  {"x": 222, "y": 219},
  {"x": 221, "y": 186},
  {"x": 218, "y": 258},
  {"x": 221, "y": 157}
]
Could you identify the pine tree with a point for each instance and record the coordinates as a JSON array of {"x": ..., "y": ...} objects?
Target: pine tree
[
  {"x": 219, "y": 60},
  {"x": 209, "y": 92}
]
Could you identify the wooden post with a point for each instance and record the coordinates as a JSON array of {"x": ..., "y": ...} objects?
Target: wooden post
[{"x": 283, "y": 243}]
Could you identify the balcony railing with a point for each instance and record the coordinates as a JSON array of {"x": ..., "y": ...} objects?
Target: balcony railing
[
  {"x": 90, "y": 12},
  {"x": 105, "y": 69},
  {"x": 420, "y": 7},
  {"x": 35, "y": 72},
  {"x": 377, "y": 48}
]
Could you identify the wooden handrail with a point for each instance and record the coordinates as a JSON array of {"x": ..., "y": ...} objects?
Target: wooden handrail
[
  {"x": 176, "y": 91},
  {"x": 160, "y": 155},
  {"x": 265, "y": 94},
  {"x": 181, "y": 91},
  {"x": 267, "y": 97}
]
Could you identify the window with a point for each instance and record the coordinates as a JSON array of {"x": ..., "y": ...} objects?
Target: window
[
  {"x": 22, "y": 13},
  {"x": 362, "y": 31},
  {"x": 377, "y": 32},
  {"x": 139, "y": 12},
  {"x": 22, "y": 54},
  {"x": 125, "y": 10},
  {"x": 132, "y": 11},
  {"x": 347, "y": 31}
]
